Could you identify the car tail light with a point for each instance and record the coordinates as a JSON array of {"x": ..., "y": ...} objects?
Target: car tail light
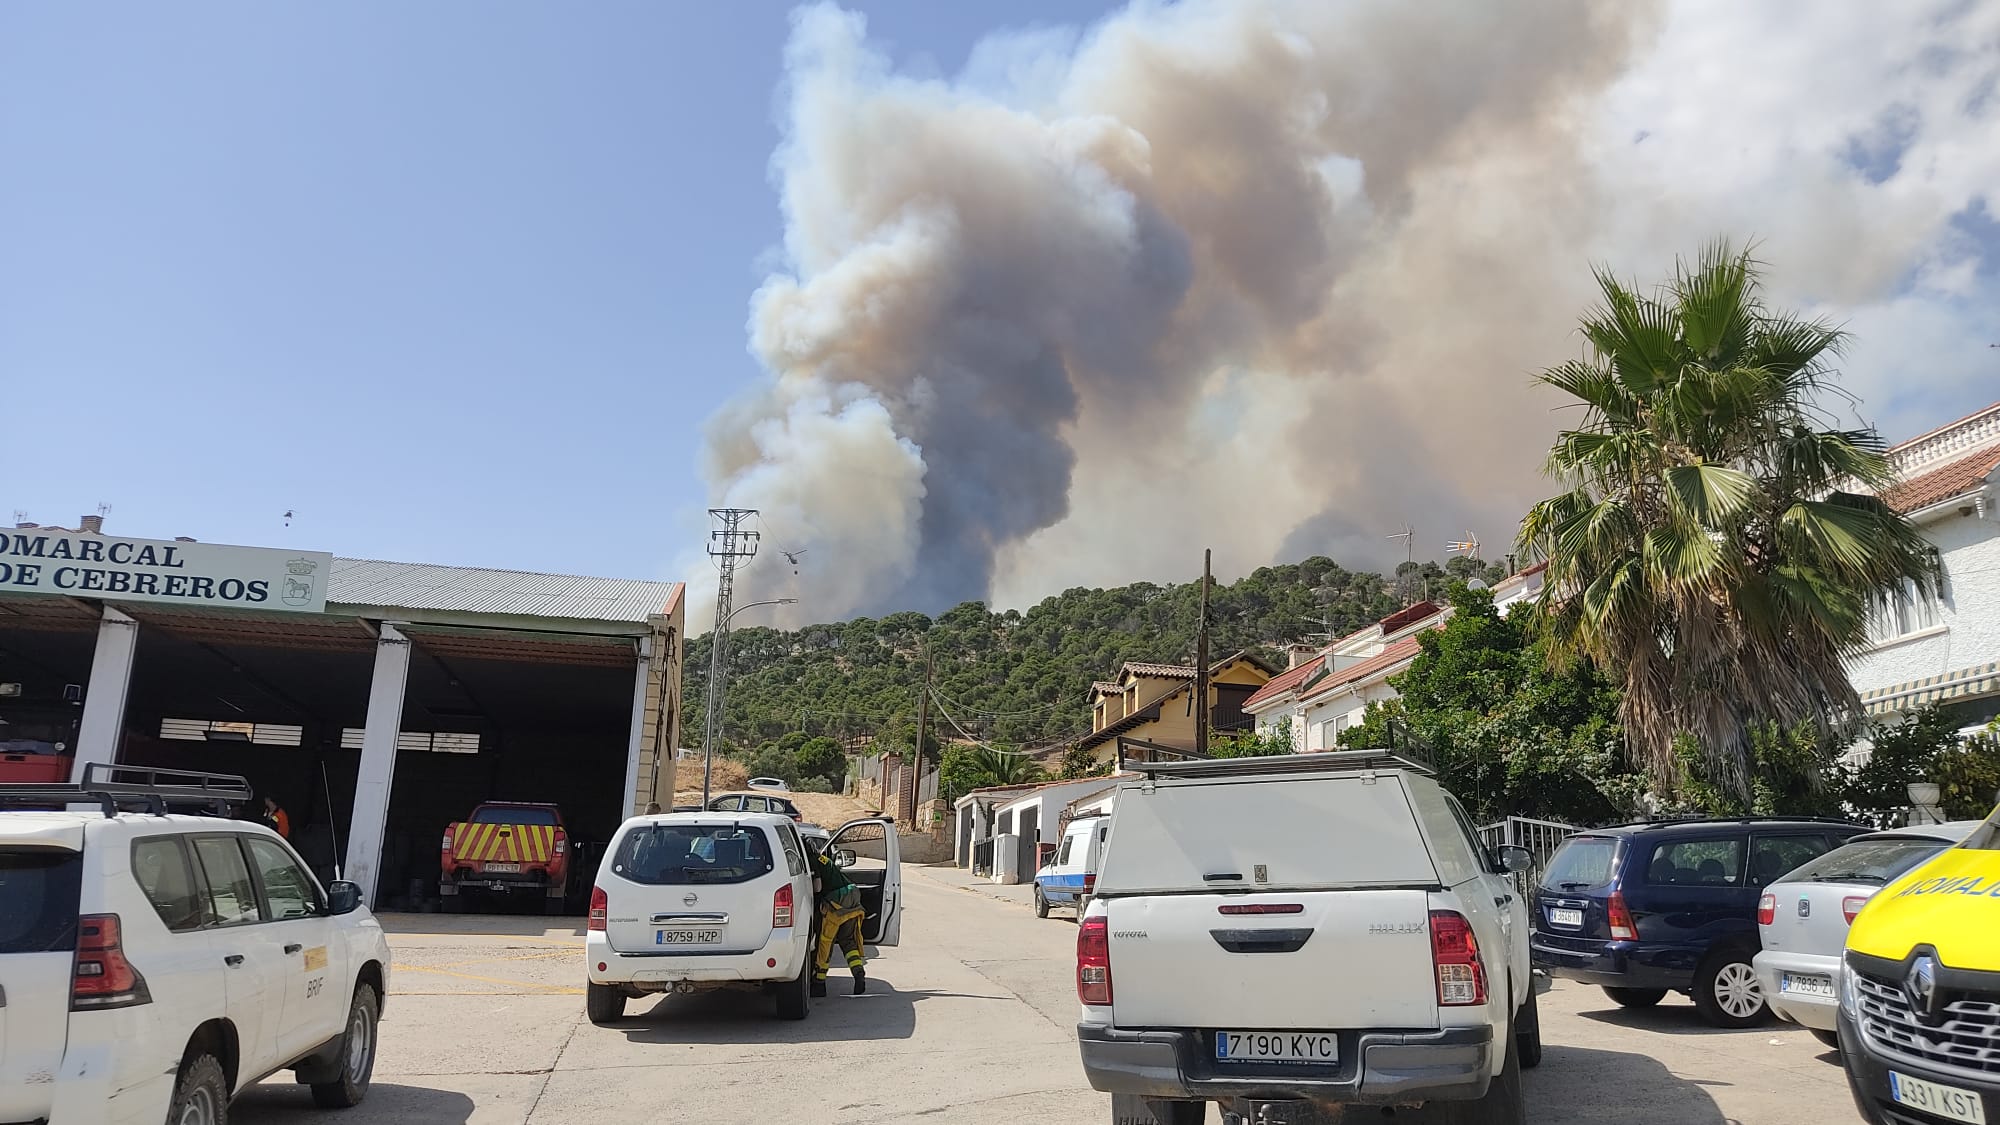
[
  {"x": 1767, "y": 910},
  {"x": 1089, "y": 882},
  {"x": 600, "y": 907},
  {"x": 103, "y": 977},
  {"x": 446, "y": 846},
  {"x": 781, "y": 908},
  {"x": 1264, "y": 908},
  {"x": 1622, "y": 926},
  {"x": 1093, "y": 961},
  {"x": 1461, "y": 978},
  {"x": 1851, "y": 905},
  {"x": 562, "y": 842}
]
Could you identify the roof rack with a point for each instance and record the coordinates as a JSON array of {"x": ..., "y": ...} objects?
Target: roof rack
[
  {"x": 1340, "y": 761},
  {"x": 1669, "y": 821},
  {"x": 116, "y": 788}
]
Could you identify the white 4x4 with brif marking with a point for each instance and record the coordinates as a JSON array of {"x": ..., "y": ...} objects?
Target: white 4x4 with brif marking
[
  {"x": 1286, "y": 936},
  {"x": 152, "y": 963}
]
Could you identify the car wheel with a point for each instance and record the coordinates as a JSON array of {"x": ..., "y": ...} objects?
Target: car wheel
[
  {"x": 795, "y": 995},
  {"x": 1131, "y": 1109},
  {"x": 357, "y": 1054},
  {"x": 1830, "y": 1038},
  {"x": 603, "y": 1003},
  {"x": 1635, "y": 997},
  {"x": 1528, "y": 1031},
  {"x": 1041, "y": 904},
  {"x": 201, "y": 1093},
  {"x": 1727, "y": 994},
  {"x": 1504, "y": 1103}
]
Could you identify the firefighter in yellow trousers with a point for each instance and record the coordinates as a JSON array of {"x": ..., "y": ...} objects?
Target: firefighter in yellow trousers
[{"x": 840, "y": 914}]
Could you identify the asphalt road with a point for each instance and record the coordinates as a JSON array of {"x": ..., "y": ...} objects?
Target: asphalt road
[{"x": 969, "y": 1021}]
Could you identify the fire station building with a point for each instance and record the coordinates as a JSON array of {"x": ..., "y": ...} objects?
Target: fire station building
[{"x": 376, "y": 701}]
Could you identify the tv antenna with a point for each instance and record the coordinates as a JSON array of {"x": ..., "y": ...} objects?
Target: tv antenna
[
  {"x": 20, "y": 516},
  {"x": 103, "y": 509},
  {"x": 1409, "y": 537}
]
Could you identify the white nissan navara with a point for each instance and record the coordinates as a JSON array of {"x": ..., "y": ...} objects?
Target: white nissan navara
[{"x": 1289, "y": 935}]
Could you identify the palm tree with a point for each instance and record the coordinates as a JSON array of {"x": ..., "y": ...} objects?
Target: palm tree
[
  {"x": 1717, "y": 548},
  {"x": 1006, "y": 767}
]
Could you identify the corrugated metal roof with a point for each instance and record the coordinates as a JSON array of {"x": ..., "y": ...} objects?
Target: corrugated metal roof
[{"x": 462, "y": 589}]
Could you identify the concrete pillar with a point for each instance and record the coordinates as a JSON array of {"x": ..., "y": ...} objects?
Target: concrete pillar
[
  {"x": 378, "y": 761},
  {"x": 104, "y": 700},
  {"x": 635, "y": 741}
]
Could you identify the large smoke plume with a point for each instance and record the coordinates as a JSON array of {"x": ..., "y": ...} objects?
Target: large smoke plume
[{"x": 1273, "y": 276}]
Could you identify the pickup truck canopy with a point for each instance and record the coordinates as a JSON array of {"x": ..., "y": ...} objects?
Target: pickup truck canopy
[{"x": 1338, "y": 829}]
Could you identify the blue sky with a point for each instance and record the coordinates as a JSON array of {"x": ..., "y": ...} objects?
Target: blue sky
[{"x": 454, "y": 282}]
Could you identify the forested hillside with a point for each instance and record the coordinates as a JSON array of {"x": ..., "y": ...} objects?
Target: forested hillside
[{"x": 1016, "y": 678}]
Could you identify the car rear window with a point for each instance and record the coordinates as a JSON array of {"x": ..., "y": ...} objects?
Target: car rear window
[
  {"x": 38, "y": 899},
  {"x": 671, "y": 854},
  {"x": 1697, "y": 863},
  {"x": 1868, "y": 861},
  {"x": 544, "y": 817},
  {"x": 1582, "y": 861}
]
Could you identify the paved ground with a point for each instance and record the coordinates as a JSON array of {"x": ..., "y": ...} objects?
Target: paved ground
[{"x": 971, "y": 1024}]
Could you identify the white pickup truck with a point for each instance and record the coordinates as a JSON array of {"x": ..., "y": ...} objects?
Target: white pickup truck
[{"x": 1286, "y": 936}]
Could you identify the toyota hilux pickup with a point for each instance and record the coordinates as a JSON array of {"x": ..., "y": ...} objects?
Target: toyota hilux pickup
[
  {"x": 1288, "y": 936},
  {"x": 506, "y": 847}
]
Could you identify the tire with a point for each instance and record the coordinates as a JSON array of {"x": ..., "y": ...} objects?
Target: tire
[
  {"x": 357, "y": 1054},
  {"x": 1131, "y": 1109},
  {"x": 1041, "y": 904},
  {"x": 454, "y": 904},
  {"x": 1726, "y": 992},
  {"x": 1635, "y": 997},
  {"x": 1830, "y": 1038},
  {"x": 551, "y": 905},
  {"x": 1504, "y": 1103},
  {"x": 201, "y": 1093},
  {"x": 603, "y": 1003},
  {"x": 1528, "y": 1031},
  {"x": 795, "y": 995}
]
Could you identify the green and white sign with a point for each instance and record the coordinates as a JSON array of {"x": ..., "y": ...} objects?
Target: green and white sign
[{"x": 41, "y": 561}]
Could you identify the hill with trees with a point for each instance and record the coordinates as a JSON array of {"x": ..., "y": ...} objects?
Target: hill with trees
[{"x": 1022, "y": 678}]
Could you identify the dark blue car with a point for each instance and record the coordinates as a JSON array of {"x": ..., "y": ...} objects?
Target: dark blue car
[{"x": 1670, "y": 906}]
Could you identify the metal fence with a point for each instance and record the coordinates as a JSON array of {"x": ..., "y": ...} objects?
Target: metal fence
[{"x": 1540, "y": 837}]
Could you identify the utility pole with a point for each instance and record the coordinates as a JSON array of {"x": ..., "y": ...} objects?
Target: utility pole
[
  {"x": 906, "y": 807},
  {"x": 1201, "y": 664},
  {"x": 726, "y": 544}
]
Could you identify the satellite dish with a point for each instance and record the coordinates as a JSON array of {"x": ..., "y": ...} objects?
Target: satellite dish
[{"x": 1476, "y": 584}]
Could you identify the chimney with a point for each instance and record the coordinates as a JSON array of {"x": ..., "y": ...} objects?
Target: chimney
[
  {"x": 25, "y": 525},
  {"x": 1297, "y": 654},
  {"x": 92, "y": 525}
]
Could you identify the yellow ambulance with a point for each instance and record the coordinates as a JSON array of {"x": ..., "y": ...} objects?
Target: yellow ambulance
[{"x": 1920, "y": 993}]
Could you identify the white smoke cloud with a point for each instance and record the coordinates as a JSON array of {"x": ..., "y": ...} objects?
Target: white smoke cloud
[{"x": 1274, "y": 276}]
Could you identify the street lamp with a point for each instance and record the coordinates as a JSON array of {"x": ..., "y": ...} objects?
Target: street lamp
[{"x": 713, "y": 719}]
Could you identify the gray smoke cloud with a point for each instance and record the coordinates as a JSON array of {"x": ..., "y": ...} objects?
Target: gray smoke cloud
[{"x": 1267, "y": 276}]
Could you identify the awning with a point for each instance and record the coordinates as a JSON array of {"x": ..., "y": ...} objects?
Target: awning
[{"x": 1966, "y": 683}]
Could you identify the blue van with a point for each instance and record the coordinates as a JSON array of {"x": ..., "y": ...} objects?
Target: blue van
[{"x": 1642, "y": 910}]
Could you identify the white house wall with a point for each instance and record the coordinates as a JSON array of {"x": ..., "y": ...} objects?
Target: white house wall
[{"x": 1968, "y": 629}]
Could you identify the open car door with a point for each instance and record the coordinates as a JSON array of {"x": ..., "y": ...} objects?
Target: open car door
[{"x": 872, "y": 858}]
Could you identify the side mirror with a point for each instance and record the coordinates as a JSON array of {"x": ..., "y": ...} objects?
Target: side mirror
[
  {"x": 343, "y": 897},
  {"x": 1514, "y": 859},
  {"x": 845, "y": 859}
]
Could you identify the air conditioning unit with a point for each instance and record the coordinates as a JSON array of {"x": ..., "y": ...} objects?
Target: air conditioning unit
[{"x": 8, "y": 690}]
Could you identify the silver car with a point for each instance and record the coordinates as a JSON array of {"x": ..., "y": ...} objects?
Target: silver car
[{"x": 1803, "y": 918}]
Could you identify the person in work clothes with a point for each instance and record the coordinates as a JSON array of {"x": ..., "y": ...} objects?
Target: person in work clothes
[{"x": 840, "y": 914}]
